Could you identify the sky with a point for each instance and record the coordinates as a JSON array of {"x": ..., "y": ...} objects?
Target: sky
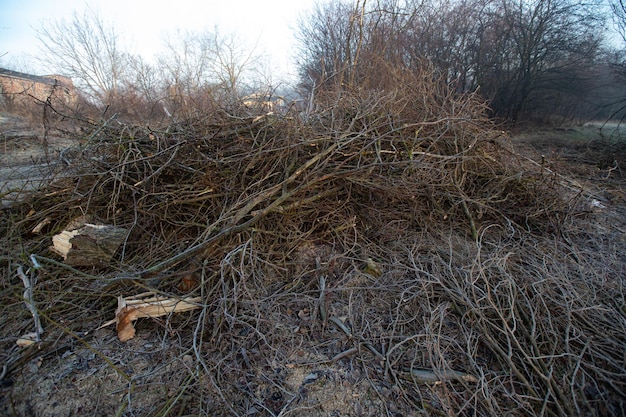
[{"x": 265, "y": 24}]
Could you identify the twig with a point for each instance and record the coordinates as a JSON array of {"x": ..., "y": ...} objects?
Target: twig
[
  {"x": 242, "y": 213},
  {"x": 322, "y": 299},
  {"x": 29, "y": 283},
  {"x": 365, "y": 343},
  {"x": 334, "y": 359},
  {"x": 429, "y": 376}
]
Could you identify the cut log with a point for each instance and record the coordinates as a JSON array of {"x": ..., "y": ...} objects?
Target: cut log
[{"x": 89, "y": 245}]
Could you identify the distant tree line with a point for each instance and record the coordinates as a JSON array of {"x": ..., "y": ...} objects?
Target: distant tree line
[
  {"x": 529, "y": 59},
  {"x": 195, "y": 71}
]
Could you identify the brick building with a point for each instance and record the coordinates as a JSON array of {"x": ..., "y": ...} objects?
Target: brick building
[{"x": 18, "y": 89}]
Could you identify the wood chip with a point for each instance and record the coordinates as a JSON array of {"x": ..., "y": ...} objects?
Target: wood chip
[{"x": 144, "y": 305}]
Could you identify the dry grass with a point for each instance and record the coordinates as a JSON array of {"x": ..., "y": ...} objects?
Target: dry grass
[{"x": 493, "y": 281}]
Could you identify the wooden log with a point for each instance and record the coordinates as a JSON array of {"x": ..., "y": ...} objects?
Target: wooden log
[{"x": 89, "y": 245}]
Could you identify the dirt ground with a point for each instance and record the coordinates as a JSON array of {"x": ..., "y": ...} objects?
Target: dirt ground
[
  {"x": 27, "y": 157},
  {"x": 90, "y": 372}
]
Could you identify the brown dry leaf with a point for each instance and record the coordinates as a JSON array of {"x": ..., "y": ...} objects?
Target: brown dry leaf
[{"x": 188, "y": 282}]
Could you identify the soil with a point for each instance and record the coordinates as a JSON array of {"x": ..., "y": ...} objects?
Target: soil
[
  {"x": 93, "y": 373},
  {"x": 27, "y": 157}
]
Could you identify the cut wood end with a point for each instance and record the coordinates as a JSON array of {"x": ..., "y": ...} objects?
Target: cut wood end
[
  {"x": 89, "y": 245},
  {"x": 61, "y": 244}
]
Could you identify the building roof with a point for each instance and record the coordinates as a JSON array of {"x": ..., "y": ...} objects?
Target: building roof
[{"x": 48, "y": 79}]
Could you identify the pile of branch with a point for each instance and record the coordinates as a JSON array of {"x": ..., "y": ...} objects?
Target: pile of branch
[
  {"x": 361, "y": 168},
  {"x": 424, "y": 198}
]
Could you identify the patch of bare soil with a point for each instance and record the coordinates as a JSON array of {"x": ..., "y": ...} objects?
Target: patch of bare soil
[
  {"x": 28, "y": 158},
  {"x": 343, "y": 270}
]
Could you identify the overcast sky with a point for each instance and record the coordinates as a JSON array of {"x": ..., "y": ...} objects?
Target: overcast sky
[{"x": 143, "y": 23}]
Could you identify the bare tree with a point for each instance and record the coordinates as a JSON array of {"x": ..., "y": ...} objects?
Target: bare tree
[
  {"x": 86, "y": 49},
  {"x": 547, "y": 40},
  {"x": 330, "y": 40},
  {"x": 616, "y": 59},
  {"x": 233, "y": 64},
  {"x": 206, "y": 66},
  {"x": 143, "y": 91},
  {"x": 515, "y": 52},
  {"x": 618, "y": 7},
  {"x": 185, "y": 68},
  {"x": 521, "y": 55},
  {"x": 144, "y": 79}
]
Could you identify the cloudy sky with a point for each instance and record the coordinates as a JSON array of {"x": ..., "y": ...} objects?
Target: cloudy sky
[{"x": 144, "y": 23}]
